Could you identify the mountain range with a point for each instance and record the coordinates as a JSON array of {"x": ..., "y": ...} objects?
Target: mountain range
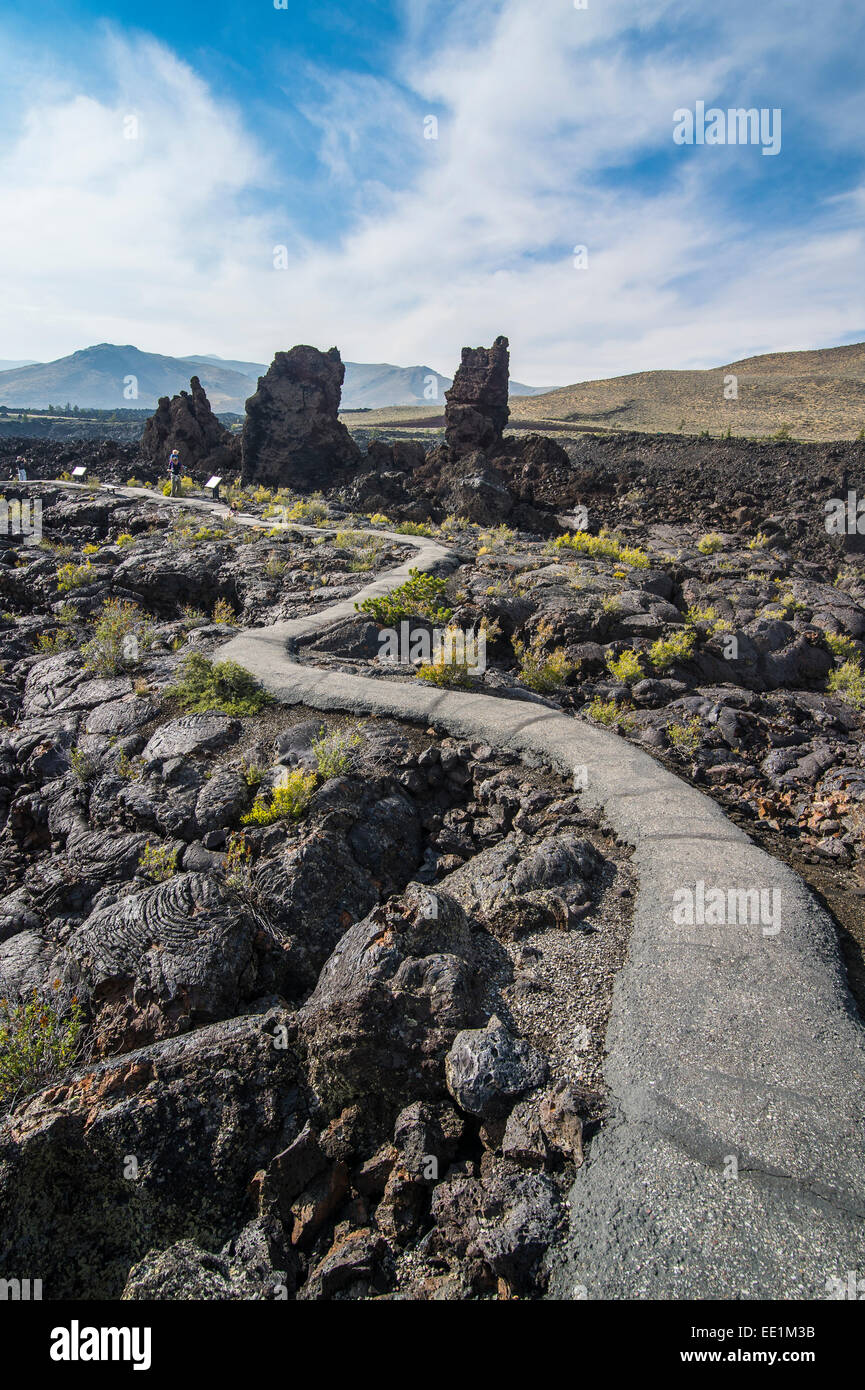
[
  {"x": 112, "y": 377},
  {"x": 814, "y": 394}
]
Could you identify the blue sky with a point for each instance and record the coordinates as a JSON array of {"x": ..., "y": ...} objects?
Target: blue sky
[{"x": 303, "y": 128}]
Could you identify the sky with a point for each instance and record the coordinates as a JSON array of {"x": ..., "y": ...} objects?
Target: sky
[{"x": 403, "y": 177}]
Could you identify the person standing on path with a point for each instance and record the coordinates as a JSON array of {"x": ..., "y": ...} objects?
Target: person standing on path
[{"x": 174, "y": 473}]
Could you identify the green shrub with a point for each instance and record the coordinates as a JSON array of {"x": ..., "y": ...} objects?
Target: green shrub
[
  {"x": 120, "y": 636},
  {"x": 356, "y": 540},
  {"x": 289, "y": 799},
  {"x": 238, "y": 865},
  {"x": 626, "y": 668},
  {"x": 840, "y": 645},
  {"x": 49, "y": 644},
  {"x": 84, "y": 767},
  {"x": 708, "y": 618},
  {"x": 703, "y": 616},
  {"x": 223, "y": 612},
  {"x": 224, "y": 686},
  {"x": 274, "y": 568},
  {"x": 453, "y": 523},
  {"x": 335, "y": 753},
  {"x": 685, "y": 736},
  {"x": 603, "y": 711},
  {"x": 192, "y": 617},
  {"x": 608, "y": 713},
  {"x": 421, "y": 596},
  {"x": 311, "y": 511},
  {"x": 209, "y": 533},
  {"x": 788, "y": 605},
  {"x": 253, "y": 774},
  {"x": 158, "y": 862},
  {"x": 444, "y": 672},
  {"x": 363, "y": 561},
  {"x": 710, "y": 544},
  {"x": 541, "y": 671},
  {"x": 666, "y": 651},
  {"x": 37, "y": 1044},
  {"x": 124, "y": 539},
  {"x": 603, "y": 546},
  {"x": 73, "y": 576},
  {"x": 848, "y": 681},
  {"x": 129, "y": 769},
  {"x": 500, "y": 537}
]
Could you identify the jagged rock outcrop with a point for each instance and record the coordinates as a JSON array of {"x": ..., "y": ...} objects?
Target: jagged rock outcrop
[
  {"x": 476, "y": 473},
  {"x": 477, "y": 403},
  {"x": 170, "y": 958},
  {"x": 292, "y": 436},
  {"x": 388, "y": 1004},
  {"x": 187, "y": 423},
  {"x": 197, "y": 1116},
  {"x": 485, "y": 490}
]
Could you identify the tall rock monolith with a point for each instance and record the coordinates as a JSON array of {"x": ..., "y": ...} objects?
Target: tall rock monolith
[
  {"x": 477, "y": 404},
  {"x": 293, "y": 436}
]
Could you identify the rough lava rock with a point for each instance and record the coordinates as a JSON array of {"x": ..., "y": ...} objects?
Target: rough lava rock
[
  {"x": 173, "y": 957},
  {"x": 292, "y": 436},
  {"x": 187, "y": 423},
  {"x": 477, "y": 403},
  {"x": 199, "y": 1115},
  {"x": 488, "y": 1069},
  {"x": 387, "y": 1006}
]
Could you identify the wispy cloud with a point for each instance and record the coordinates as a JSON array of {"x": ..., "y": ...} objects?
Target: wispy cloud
[{"x": 554, "y": 129}]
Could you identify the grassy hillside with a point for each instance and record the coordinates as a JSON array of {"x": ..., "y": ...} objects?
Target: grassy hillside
[{"x": 815, "y": 395}]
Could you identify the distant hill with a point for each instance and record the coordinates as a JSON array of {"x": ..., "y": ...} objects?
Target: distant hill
[
  {"x": 374, "y": 385},
  {"x": 367, "y": 385},
  {"x": 100, "y": 375},
  {"x": 7, "y": 366},
  {"x": 815, "y": 394}
]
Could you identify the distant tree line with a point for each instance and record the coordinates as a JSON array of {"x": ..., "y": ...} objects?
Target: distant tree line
[{"x": 72, "y": 412}]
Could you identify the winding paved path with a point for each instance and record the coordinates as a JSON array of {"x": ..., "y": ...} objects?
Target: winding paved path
[{"x": 734, "y": 1164}]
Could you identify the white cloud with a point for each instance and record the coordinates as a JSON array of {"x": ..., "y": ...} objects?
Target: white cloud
[{"x": 163, "y": 242}]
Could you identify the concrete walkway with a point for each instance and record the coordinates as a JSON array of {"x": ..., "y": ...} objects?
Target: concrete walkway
[{"x": 734, "y": 1164}]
